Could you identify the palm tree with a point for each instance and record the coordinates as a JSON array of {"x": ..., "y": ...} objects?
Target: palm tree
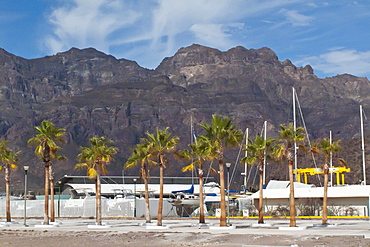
[
  {"x": 326, "y": 148},
  {"x": 46, "y": 149},
  {"x": 51, "y": 182},
  {"x": 8, "y": 158},
  {"x": 95, "y": 159},
  {"x": 140, "y": 156},
  {"x": 222, "y": 133},
  {"x": 289, "y": 136},
  {"x": 201, "y": 150},
  {"x": 159, "y": 144},
  {"x": 259, "y": 150}
]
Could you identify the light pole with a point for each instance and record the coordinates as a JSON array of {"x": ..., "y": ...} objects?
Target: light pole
[
  {"x": 228, "y": 193},
  {"x": 134, "y": 197},
  {"x": 25, "y": 193},
  {"x": 59, "y": 184}
]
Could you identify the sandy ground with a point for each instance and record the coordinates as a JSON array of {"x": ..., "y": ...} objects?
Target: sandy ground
[
  {"x": 182, "y": 232},
  {"x": 47, "y": 238}
]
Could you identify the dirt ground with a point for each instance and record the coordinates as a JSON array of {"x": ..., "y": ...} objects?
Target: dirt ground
[{"x": 46, "y": 238}]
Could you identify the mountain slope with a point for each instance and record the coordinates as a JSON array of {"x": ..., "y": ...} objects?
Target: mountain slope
[{"x": 91, "y": 93}]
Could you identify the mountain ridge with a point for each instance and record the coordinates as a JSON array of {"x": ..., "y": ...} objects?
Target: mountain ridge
[{"x": 90, "y": 93}]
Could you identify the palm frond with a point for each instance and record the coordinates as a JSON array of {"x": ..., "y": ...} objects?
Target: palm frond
[
  {"x": 61, "y": 158},
  {"x": 91, "y": 172},
  {"x": 97, "y": 156},
  {"x": 258, "y": 149},
  {"x": 80, "y": 166},
  {"x": 8, "y": 156},
  {"x": 213, "y": 170},
  {"x": 342, "y": 162},
  {"x": 13, "y": 166},
  {"x": 159, "y": 144},
  {"x": 190, "y": 167},
  {"x": 280, "y": 152},
  {"x": 315, "y": 150},
  {"x": 47, "y": 134}
]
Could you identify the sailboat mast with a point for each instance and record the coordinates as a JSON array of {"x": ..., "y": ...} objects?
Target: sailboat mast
[
  {"x": 294, "y": 129},
  {"x": 363, "y": 145},
  {"x": 191, "y": 129},
  {"x": 264, "y": 160},
  {"x": 331, "y": 159},
  {"x": 191, "y": 142},
  {"x": 246, "y": 155}
]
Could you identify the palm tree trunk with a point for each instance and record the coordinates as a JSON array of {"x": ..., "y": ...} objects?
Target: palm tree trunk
[
  {"x": 46, "y": 192},
  {"x": 160, "y": 201},
  {"x": 222, "y": 188},
  {"x": 52, "y": 206},
  {"x": 260, "y": 201},
  {"x": 7, "y": 192},
  {"x": 98, "y": 200},
  {"x": 147, "y": 207},
  {"x": 201, "y": 199},
  {"x": 291, "y": 194},
  {"x": 325, "y": 199}
]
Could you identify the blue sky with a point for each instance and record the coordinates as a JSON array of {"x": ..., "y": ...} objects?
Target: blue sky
[{"x": 332, "y": 36}]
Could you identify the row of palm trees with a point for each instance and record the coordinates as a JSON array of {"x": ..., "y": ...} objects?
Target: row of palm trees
[
  {"x": 221, "y": 133},
  {"x": 261, "y": 149},
  {"x": 153, "y": 150}
]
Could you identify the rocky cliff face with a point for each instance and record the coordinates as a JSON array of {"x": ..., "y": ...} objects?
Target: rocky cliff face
[{"x": 91, "y": 93}]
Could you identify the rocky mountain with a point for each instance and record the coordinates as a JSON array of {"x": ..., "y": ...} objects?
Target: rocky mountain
[{"x": 90, "y": 93}]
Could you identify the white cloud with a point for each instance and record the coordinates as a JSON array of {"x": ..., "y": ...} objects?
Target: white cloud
[
  {"x": 212, "y": 34},
  {"x": 295, "y": 18},
  {"x": 313, "y": 5},
  {"x": 172, "y": 18},
  {"x": 87, "y": 23},
  {"x": 208, "y": 21},
  {"x": 340, "y": 61},
  {"x": 150, "y": 30}
]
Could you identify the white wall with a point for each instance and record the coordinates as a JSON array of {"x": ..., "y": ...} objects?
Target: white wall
[{"x": 86, "y": 208}]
